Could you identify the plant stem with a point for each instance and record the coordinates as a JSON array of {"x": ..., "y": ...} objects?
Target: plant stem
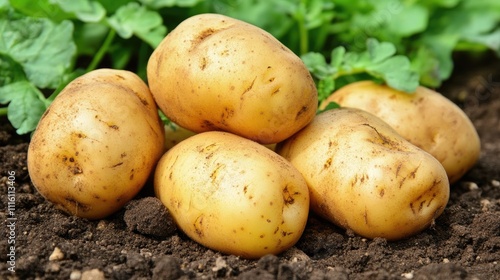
[
  {"x": 3, "y": 111},
  {"x": 353, "y": 71},
  {"x": 102, "y": 50}
]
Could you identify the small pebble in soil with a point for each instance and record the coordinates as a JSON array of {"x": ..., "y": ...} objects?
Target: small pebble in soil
[
  {"x": 220, "y": 264},
  {"x": 56, "y": 255},
  {"x": 148, "y": 216},
  {"x": 75, "y": 275},
  {"x": 408, "y": 275},
  {"x": 472, "y": 186},
  {"x": 94, "y": 274},
  {"x": 485, "y": 205}
]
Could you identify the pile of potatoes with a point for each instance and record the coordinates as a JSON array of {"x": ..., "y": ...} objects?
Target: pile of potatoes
[{"x": 247, "y": 156}]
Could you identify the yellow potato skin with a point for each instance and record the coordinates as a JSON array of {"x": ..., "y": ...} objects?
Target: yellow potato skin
[
  {"x": 97, "y": 143},
  {"x": 213, "y": 72},
  {"x": 365, "y": 177},
  {"x": 425, "y": 118},
  {"x": 233, "y": 195}
]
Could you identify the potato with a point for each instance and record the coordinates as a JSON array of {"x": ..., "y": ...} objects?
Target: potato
[
  {"x": 365, "y": 177},
  {"x": 213, "y": 72},
  {"x": 233, "y": 195},
  {"x": 97, "y": 143},
  {"x": 425, "y": 118}
]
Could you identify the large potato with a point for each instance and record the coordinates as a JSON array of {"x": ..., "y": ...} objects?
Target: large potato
[
  {"x": 96, "y": 144},
  {"x": 363, "y": 176},
  {"x": 425, "y": 118},
  {"x": 213, "y": 72},
  {"x": 232, "y": 194}
]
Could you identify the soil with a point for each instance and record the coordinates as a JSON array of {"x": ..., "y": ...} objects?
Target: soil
[{"x": 141, "y": 241}]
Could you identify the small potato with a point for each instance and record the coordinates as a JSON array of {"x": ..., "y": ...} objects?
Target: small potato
[
  {"x": 97, "y": 143},
  {"x": 213, "y": 72},
  {"x": 234, "y": 195},
  {"x": 425, "y": 118},
  {"x": 365, "y": 177}
]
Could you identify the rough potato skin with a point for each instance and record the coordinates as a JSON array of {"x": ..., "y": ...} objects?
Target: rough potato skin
[
  {"x": 425, "y": 118},
  {"x": 365, "y": 177},
  {"x": 97, "y": 143},
  {"x": 233, "y": 195},
  {"x": 213, "y": 72}
]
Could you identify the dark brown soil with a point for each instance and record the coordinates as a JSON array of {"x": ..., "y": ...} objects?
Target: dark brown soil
[{"x": 141, "y": 242}]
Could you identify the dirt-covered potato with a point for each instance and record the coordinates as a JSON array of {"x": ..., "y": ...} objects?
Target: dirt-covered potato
[
  {"x": 96, "y": 144},
  {"x": 425, "y": 118},
  {"x": 234, "y": 195},
  {"x": 365, "y": 177},
  {"x": 213, "y": 72}
]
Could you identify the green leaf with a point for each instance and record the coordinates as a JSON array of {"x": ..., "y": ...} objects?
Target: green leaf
[
  {"x": 337, "y": 56},
  {"x": 264, "y": 14},
  {"x": 426, "y": 64},
  {"x": 157, "y": 4},
  {"x": 356, "y": 60},
  {"x": 85, "y": 10},
  {"x": 442, "y": 46},
  {"x": 134, "y": 19},
  {"x": 491, "y": 40},
  {"x": 378, "y": 61},
  {"x": 410, "y": 20},
  {"x": 379, "y": 51},
  {"x": 10, "y": 72},
  {"x": 40, "y": 9},
  {"x": 316, "y": 63},
  {"x": 26, "y": 108},
  {"x": 396, "y": 72},
  {"x": 111, "y": 6},
  {"x": 59, "y": 10},
  {"x": 44, "y": 49},
  {"x": 465, "y": 20},
  {"x": 318, "y": 13},
  {"x": 443, "y": 3},
  {"x": 325, "y": 88}
]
